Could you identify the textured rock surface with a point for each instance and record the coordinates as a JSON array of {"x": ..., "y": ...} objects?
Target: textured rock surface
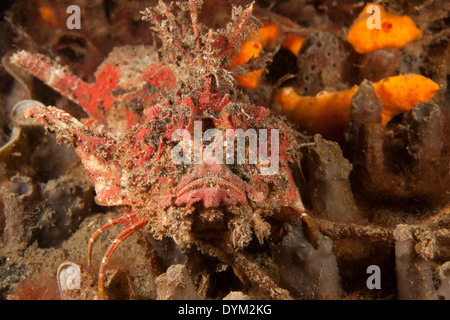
[
  {"x": 307, "y": 268},
  {"x": 176, "y": 284},
  {"x": 47, "y": 213},
  {"x": 330, "y": 190},
  {"x": 444, "y": 275},
  {"x": 236, "y": 295},
  {"x": 414, "y": 274}
]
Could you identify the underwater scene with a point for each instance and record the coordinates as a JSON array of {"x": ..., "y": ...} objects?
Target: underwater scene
[{"x": 224, "y": 150}]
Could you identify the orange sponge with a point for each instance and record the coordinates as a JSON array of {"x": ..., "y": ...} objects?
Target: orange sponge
[
  {"x": 327, "y": 112},
  {"x": 399, "y": 94},
  {"x": 251, "y": 49},
  {"x": 48, "y": 15},
  {"x": 393, "y": 31},
  {"x": 293, "y": 43}
]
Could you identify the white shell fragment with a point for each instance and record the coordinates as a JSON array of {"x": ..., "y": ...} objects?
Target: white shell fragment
[
  {"x": 69, "y": 278},
  {"x": 5, "y": 149},
  {"x": 19, "y": 122}
]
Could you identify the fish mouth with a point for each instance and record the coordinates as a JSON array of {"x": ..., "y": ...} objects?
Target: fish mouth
[{"x": 212, "y": 185}]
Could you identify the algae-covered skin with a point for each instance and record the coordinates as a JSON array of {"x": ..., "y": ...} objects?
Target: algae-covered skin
[{"x": 128, "y": 150}]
